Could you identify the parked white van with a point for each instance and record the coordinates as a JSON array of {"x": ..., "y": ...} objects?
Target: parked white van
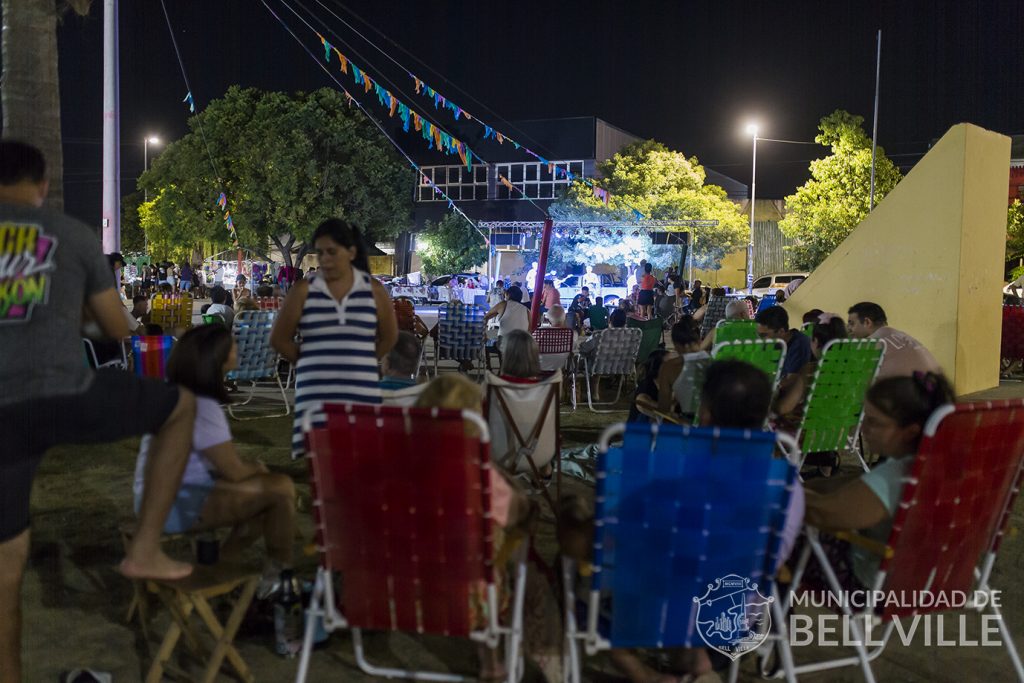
[{"x": 770, "y": 283}]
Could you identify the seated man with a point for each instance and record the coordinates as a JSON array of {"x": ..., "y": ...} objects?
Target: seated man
[
  {"x": 773, "y": 323},
  {"x": 904, "y": 355},
  {"x": 140, "y": 308},
  {"x": 598, "y": 314},
  {"x": 736, "y": 309},
  {"x": 398, "y": 368},
  {"x": 685, "y": 339}
]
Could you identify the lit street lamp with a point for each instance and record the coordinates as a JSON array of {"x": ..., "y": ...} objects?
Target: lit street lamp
[
  {"x": 752, "y": 131},
  {"x": 146, "y": 142}
]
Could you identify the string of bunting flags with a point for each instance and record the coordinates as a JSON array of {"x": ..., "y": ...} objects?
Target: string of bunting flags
[
  {"x": 229, "y": 222},
  {"x": 436, "y": 137}
]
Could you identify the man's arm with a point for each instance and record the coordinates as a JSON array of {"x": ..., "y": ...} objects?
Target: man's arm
[{"x": 108, "y": 311}]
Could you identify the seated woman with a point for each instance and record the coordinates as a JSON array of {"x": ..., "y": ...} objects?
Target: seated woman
[
  {"x": 895, "y": 412},
  {"x": 645, "y": 398},
  {"x": 520, "y": 358},
  {"x": 219, "y": 489}
]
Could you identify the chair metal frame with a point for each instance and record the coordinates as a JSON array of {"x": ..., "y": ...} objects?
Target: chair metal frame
[
  {"x": 909, "y": 507},
  {"x": 851, "y": 439},
  {"x": 590, "y": 638},
  {"x": 324, "y": 605},
  {"x": 637, "y": 335},
  {"x": 256, "y": 362},
  {"x": 119, "y": 363}
]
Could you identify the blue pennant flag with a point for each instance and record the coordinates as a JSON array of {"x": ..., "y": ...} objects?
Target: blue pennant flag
[{"x": 191, "y": 102}]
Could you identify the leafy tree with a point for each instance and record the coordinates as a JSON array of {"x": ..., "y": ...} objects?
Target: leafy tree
[
  {"x": 287, "y": 162},
  {"x": 133, "y": 239},
  {"x": 825, "y": 209},
  {"x": 451, "y": 245},
  {"x": 663, "y": 185},
  {"x": 1015, "y": 230}
]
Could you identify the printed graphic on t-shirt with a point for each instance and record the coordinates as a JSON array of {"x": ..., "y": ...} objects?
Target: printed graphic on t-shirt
[{"x": 26, "y": 262}]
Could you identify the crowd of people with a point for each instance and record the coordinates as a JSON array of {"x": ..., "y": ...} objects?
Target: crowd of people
[{"x": 339, "y": 331}]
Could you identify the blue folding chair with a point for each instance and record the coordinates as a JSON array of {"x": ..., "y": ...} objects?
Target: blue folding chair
[
  {"x": 257, "y": 360},
  {"x": 688, "y": 525}
]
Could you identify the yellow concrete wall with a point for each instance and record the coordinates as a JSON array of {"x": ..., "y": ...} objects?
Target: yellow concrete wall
[
  {"x": 733, "y": 272},
  {"x": 931, "y": 254}
]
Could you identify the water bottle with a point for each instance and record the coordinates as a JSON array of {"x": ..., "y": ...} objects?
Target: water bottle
[{"x": 288, "y": 626}]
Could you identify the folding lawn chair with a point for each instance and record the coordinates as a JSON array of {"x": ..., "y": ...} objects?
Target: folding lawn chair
[
  {"x": 735, "y": 330},
  {"x": 764, "y": 354},
  {"x": 525, "y": 427},
  {"x": 767, "y": 301},
  {"x": 120, "y": 362},
  {"x": 954, "y": 512},
  {"x": 171, "y": 311},
  {"x": 714, "y": 312},
  {"x": 257, "y": 359},
  {"x": 150, "y": 354},
  {"x": 268, "y": 303},
  {"x": 615, "y": 355},
  {"x": 405, "y": 397},
  {"x": 679, "y": 510},
  {"x": 403, "y": 513},
  {"x": 555, "y": 347},
  {"x": 460, "y": 334},
  {"x": 835, "y": 400},
  {"x": 651, "y": 331}
]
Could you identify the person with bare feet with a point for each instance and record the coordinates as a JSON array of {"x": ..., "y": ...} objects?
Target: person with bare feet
[
  {"x": 219, "y": 489},
  {"x": 53, "y": 268}
]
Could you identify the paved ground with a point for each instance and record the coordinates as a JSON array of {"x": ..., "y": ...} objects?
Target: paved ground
[{"x": 75, "y": 601}]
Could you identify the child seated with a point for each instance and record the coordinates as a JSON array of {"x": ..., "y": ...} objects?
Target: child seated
[{"x": 219, "y": 489}]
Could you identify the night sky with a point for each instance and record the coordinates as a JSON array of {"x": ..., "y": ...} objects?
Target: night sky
[{"x": 689, "y": 74}]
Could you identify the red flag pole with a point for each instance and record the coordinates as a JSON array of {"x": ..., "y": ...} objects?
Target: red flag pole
[{"x": 538, "y": 285}]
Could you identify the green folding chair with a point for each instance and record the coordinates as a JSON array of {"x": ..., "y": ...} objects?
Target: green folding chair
[
  {"x": 735, "y": 330},
  {"x": 764, "y": 354},
  {"x": 835, "y": 401},
  {"x": 651, "y": 331}
]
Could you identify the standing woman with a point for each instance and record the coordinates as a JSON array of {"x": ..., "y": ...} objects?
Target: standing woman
[{"x": 346, "y": 323}]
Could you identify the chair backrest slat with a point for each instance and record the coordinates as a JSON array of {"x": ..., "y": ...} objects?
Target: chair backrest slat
[
  {"x": 678, "y": 508},
  {"x": 764, "y": 354},
  {"x": 403, "y": 512},
  {"x": 835, "y": 401},
  {"x": 735, "y": 330},
  {"x": 715, "y": 312},
  {"x": 460, "y": 331},
  {"x": 955, "y": 505}
]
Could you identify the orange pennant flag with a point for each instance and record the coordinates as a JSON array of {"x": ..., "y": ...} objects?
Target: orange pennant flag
[
  {"x": 344, "y": 61},
  {"x": 394, "y": 105},
  {"x": 367, "y": 82},
  {"x": 419, "y": 83},
  {"x": 416, "y": 122},
  {"x": 507, "y": 183},
  {"x": 501, "y": 139}
]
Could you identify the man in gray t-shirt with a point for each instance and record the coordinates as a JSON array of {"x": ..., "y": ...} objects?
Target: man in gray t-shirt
[{"x": 51, "y": 268}]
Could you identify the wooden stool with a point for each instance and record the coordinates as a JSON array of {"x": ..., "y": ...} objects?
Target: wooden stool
[
  {"x": 192, "y": 594},
  {"x": 139, "y": 599}
]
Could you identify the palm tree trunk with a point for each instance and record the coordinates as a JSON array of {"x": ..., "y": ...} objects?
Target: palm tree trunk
[{"x": 30, "y": 88}]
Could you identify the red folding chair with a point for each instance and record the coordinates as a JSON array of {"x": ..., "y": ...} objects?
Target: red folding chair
[
  {"x": 1011, "y": 348},
  {"x": 402, "y": 509},
  {"x": 269, "y": 303},
  {"x": 555, "y": 346},
  {"x": 946, "y": 533},
  {"x": 150, "y": 354}
]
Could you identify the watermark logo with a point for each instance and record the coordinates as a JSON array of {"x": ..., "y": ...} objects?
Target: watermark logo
[{"x": 733, "y": 617}]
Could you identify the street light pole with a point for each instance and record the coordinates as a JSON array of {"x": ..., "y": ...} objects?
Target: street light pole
[
  {"x": 752, "y": 130},
  {"x": 146, "y": 141}
]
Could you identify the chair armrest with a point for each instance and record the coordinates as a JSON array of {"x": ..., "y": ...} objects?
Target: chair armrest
[
  {"x": 874, "y": 547},
  {"x": 646, "y": 407}
]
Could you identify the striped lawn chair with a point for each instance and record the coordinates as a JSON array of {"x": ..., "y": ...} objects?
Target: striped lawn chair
[
  {"x": 835, "y": 399},
  {"x": 460, "y": 334},
  {"x": 150, "y": 354},
  {"x": 615, "y": 355},
  {"x": 665, "y": 570},
  {"x": 257, "y": 359},
  {"x": 735, "y": 330},
  {"x": 956, "y": 505},
  {"x": 555, "y": 346},
  {"x": 403, "y": 512}
]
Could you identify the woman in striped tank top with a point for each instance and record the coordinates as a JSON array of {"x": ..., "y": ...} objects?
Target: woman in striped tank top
[{"x": 345, "y": 322}]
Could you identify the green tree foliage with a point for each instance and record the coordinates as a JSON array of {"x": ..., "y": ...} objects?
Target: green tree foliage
[
  {"x": 1015, "y": 230},
  {"x": 663, "y": 185},
  {"x": 133, "y": 239},
  {"x": 288, "y": 162},
  {"x": 826, "y": 209},
  {"x": 451, "y": 245}
]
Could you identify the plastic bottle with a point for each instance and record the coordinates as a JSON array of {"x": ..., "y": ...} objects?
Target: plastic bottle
[{"x": 288, "y": 622}]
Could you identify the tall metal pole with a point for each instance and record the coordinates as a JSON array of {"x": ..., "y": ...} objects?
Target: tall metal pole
[
  {"x": 874, "y": 129},
  {"x": 111, "y": 132},
  {"x": 750, "y": 245},
  {"x": 145, "y": 166}
]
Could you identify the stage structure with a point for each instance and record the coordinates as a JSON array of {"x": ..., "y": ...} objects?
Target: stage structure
[{"x": 515, "y": 236}]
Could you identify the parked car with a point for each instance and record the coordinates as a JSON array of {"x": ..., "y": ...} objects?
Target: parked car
[
  {"x": 444, "y": 279},
  {"x": 612, "y": 288},
  {"x": 768, "y": 284}
]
